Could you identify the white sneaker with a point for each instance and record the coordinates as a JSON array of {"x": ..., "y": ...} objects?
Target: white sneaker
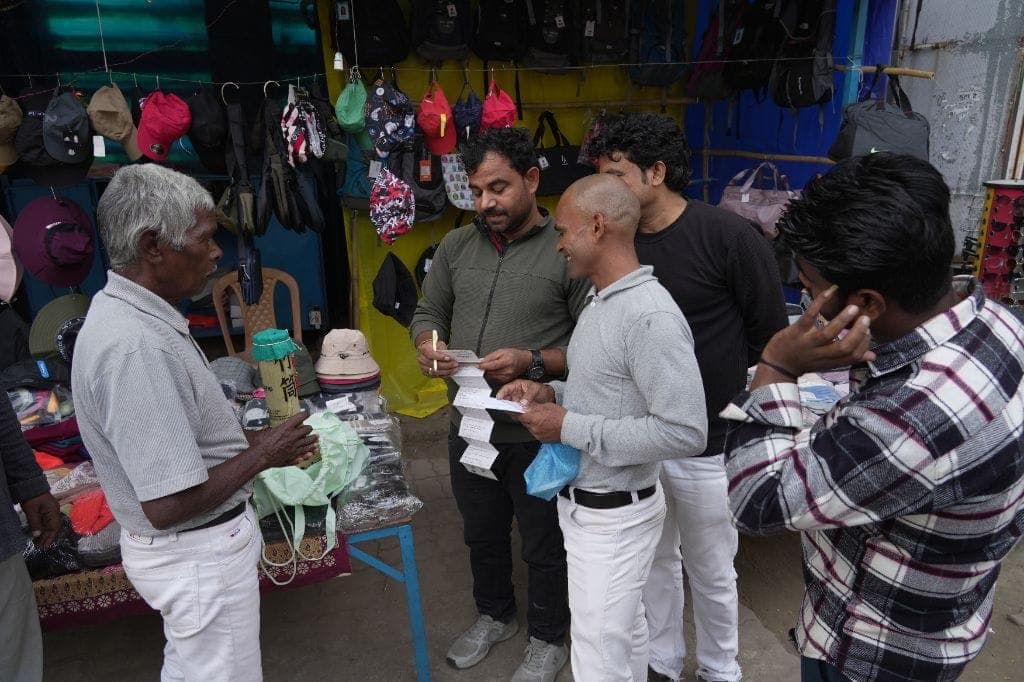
[
  {"x": 474, "y": 644},
  {"x": 542, "y": 661}
]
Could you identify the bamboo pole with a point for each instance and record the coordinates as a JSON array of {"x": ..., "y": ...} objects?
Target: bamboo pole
[
  {"x": 891, "y": 70},
  {"x": 795, "y": 158}
]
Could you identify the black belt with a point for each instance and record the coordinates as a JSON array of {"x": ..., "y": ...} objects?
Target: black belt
[
  {"x": 235, "y": 511},
  {"x": 612, "y": 500}
]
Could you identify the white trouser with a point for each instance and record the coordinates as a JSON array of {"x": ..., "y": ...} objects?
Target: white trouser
[
  {"x": 205, "y": 585},
  {"x": 609, "y": 554},
  {"x": 698, "y": 520}
]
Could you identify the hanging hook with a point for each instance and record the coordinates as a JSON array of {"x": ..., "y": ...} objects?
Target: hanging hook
[
  {"x": 382, "y": 73},
  {"x": 354, "y": 74},
  {"x": 465, "y": 74},
  {"x": 58, "y": 79},
  {"x": 135, "y": 77},
  {"x": 222, "y": 98},
  {"x": 110, "y": 76},
  {"x": 265, "y": 86},
  {"x": 54, "y": 193},
  {"x": 158, "y": 81}
]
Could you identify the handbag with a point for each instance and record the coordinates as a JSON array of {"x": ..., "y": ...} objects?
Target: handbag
[
  {"x": 559, "y": 165},
  {"x": 555, "y": 466},
  {"x": 872, "y": 126},
  {"x": 759, "y": 205}
]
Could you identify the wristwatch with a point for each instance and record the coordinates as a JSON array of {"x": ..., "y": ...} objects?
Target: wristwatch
[{"x": 535, "y": 372}]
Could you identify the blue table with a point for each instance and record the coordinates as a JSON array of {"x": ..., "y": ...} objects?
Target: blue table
[{"x": 408, "y": 576}]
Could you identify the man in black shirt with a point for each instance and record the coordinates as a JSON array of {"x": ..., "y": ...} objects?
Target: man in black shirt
[{"x": 721, "y": 272}]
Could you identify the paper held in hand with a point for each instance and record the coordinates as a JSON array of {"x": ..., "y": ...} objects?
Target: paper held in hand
[
  {"x": 463, "y": 357},
  {"x": 480, "y": 399}
]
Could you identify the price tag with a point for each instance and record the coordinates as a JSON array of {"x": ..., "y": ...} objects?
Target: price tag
[
  {"x": 375, "y": 167},
  {"x": 426, "y": 170},
  {"x": 542, "y": 162},
  {"x": 744, "y": 198},
  {"x": 590, "y": 28},
  {"x": 559, "y": 21},
  {"x": 339, "y": 62},
  {"x": 453, "y": 11},
  {"x": 342, "y": 11},
  {"x": 99, "y": 146}
]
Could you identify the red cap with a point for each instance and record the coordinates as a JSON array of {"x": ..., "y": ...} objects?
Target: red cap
[
  {"x": 437, "y": 121},
  {"x": 499, "y": 110},
  {"x": 165, "y": 118}
]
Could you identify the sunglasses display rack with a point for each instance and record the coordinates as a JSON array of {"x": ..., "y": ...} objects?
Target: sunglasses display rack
[{"x": 996, "y": 253}]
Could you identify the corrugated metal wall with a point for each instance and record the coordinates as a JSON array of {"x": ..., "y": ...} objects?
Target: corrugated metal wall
[{"x": 975, "y": 50}]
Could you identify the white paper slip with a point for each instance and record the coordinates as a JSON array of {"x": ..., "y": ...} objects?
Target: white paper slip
[
  {"x": 474, "y": 413},
  {"x": 463, "y": 357},
  {"x": 476, "y": 429},
  {"x": 478, "y": 459},
  {"x": 470, "y": 376},
  {"x": 480, "y": 399}
]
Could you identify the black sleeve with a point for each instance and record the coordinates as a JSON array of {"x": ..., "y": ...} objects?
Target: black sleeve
[
  {"x": 753, "y": 277},
  {"x": 25, "y": 479}
]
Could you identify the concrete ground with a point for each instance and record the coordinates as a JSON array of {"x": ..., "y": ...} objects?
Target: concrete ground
[{"x": 356, "y": 628}]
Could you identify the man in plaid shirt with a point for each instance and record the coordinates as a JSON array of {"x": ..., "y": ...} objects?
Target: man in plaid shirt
[{"x": 909, "y": 492}]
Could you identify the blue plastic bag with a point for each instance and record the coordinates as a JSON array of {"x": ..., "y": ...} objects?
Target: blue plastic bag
[{"x": 554, "y": 467}]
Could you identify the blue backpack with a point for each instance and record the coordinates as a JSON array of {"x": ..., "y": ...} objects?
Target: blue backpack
[{"x": 658, "y": 42}]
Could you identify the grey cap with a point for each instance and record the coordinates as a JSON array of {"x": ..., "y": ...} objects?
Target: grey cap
[
  {"x": 10, "y": 120},
  {"x": 66, "y": 133}
]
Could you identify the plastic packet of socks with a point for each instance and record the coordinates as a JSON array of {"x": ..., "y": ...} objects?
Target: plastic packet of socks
[
  {"x": 379, "y": 496},
  {"x": 82, "y": 479}
]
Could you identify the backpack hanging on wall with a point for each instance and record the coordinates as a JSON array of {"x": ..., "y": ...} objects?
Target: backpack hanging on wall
[
  {"x": 658, "y": 42},
  {"x": 551, "y": 35},
  {"x": 442, "y": 29},
  {"x": 707, "y": 77},
  {"x": 560, "y": 164},
  {"x": 500, "y": 33},
  {"x": 802, "y": 74},
  {"x": 756, "y": 39},
  {"x": 604, "y": 35},
  {"x": 370, "y": 32}
]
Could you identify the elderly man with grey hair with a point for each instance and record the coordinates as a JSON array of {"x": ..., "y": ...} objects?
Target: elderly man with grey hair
[{"x": 174, "y": 462}]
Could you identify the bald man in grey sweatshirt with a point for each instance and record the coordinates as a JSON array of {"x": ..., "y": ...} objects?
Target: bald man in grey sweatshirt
[{"x": 633, "y": 397}]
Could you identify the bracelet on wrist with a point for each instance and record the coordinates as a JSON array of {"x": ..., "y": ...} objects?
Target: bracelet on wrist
[{"x": 778, "y": 368}]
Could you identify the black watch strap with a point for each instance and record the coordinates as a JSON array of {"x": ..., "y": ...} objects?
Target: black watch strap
[{"x": 536, "y": 369}]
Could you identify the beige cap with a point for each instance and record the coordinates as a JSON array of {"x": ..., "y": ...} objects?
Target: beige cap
[
  {"x": 345, "y": 354},
  {"x": 10, "y": 120},
  {"x": 110, "y": 116}
]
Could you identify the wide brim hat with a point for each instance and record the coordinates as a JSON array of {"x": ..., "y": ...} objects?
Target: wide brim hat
[
  {"x": 344, "y": 354},
  {"x": 239, "y": 373},
  {"x": 56, "y": 326},
  {"x": 54, "y": 239},
  {"x": 10, "y": 266}
]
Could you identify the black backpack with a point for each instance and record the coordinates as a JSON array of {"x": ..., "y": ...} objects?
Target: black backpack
[
  {"x": 802, "y": 74},
  {"x": 407, "y": 161},
  {"x": 707, "y": 77},
  {"x": 551, "y": 35},
  {"x": 381, "y": 36},
  {"x": 658, "y": 42},
  {"x": 500, "y": 32},
  {"x": 755, "y": 42},
  {"x": 603, "y": 31},
  {"x": 442, "y": 29}
]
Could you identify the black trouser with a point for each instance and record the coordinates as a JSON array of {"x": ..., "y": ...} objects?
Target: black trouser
[
  {"x": 814, "y": 670},
  {"x": 487, "y": 508}
]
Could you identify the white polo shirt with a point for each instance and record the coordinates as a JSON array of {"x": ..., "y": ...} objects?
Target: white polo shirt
[{"x": 151, "y": 413}]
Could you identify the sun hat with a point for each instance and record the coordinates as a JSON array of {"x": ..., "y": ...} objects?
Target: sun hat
[
  {"x": 344, "y": 353},
  {"x": 10, "y": 120},
  {"x": 111, "y": 117},
  {"x": 56, "y": 326},
  {"x": 54, "y": 239},
  {"x": 236, "y": 372},
  {"x": 165, "y": 118},
  {"x": 437, "y": 121},
  {"x": 10, "y": 266}
]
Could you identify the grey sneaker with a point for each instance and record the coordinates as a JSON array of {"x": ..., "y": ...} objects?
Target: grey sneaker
[
  {"x": 473, "y": 644},
  {"x": 542, "y": 661}
]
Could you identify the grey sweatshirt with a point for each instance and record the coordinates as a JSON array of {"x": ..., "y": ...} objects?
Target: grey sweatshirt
[{"x": 634, "y": 394}]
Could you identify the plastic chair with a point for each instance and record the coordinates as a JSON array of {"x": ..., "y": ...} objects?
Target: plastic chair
[{"x": 255, "y": 318}]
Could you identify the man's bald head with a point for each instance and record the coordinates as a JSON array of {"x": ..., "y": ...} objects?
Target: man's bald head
[{"x": 609, "y": 196}]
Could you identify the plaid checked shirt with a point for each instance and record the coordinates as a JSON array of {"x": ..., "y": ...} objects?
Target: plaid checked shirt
[{"x": 908, "y": 493}]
